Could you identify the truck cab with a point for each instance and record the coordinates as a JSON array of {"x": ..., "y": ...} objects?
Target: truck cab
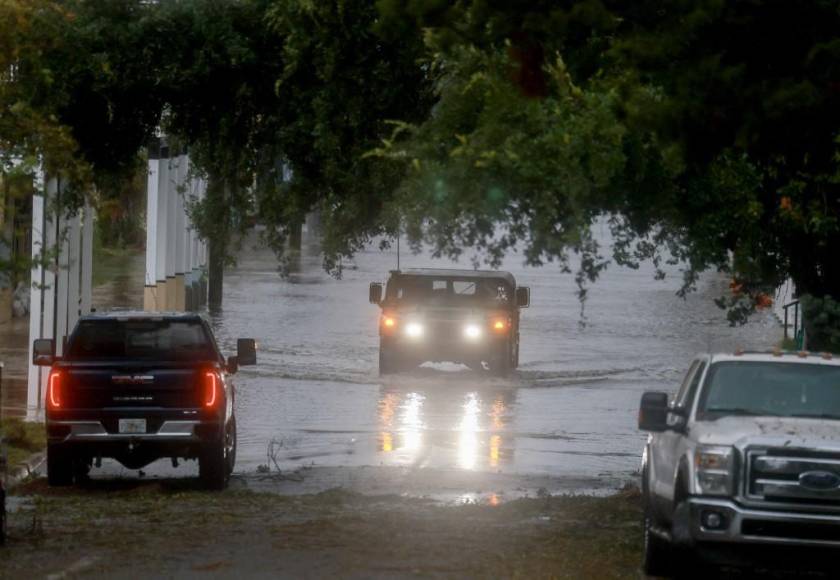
[
  {"x": 462, "y": 316},
  {"x": 137, "y": 387},
  {"x": 743, "y": 459}
]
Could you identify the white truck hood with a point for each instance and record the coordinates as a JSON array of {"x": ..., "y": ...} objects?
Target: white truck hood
[{"x": 739, "y": 431}]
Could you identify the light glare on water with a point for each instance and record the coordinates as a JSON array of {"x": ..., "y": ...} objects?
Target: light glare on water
[{"x": 570, "y": 408}]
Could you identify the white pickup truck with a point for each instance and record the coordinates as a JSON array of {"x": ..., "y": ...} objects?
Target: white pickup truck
[{"x": 742, "y": 463}]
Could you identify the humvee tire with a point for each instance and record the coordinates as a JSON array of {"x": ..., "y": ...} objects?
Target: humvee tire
[{"x": 500, "y": 363}]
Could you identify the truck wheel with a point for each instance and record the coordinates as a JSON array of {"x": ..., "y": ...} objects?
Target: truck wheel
[
  {"x": 516, "y": 354},
  {"x": 500, "y": 364},
  {"x": 213, "y": 466},
  {"x": 387, "y": 362},
  {"x": 81, "y": 469},
  {"x": 657, "y": 559},
  {"x": 59, "y": 467},
  {"x": 231, "y": 446}
]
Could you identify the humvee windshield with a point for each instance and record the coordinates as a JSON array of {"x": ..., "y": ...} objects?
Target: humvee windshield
[{"x": 436, "y": 291}]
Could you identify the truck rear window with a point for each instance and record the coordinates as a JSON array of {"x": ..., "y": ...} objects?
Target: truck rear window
[{"x": 140, "y": 339}]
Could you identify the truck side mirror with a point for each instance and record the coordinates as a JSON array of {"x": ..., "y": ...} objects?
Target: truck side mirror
[
  {"x": 246, "y": 351},
  {"x": 523, "y": 297},
  {"x": 375, "y": 293},
  {"x": 43, "y": 352},
  {"x": 653, "y": 412}
]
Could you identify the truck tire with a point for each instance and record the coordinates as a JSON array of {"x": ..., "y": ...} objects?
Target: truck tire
[
  {"x": 59, "y": 467},
  {"x": 388, "y": 362},
  {"x": 213, "y": 466},
  {"x": 516, "y": 353},
  {"x": 657, "y": 558},
  {"x": 500, "y": 363},
  {"x": 81, "y": 469},
  {"x": 231, "y": 442},
  {"x": 657, "y": 553}
]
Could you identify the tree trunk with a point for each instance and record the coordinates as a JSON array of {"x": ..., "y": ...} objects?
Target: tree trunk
[
  {"x": 217, "y": 193},
  {"x": 296, "y": 237}
]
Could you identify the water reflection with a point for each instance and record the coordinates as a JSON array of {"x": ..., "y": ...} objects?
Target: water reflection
[
  {"x": 411, "y": 425},
  {"x": 463, "y": 425},
  {"x": 468, "y": 432}
]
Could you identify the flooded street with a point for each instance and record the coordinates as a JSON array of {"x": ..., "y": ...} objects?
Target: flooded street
[
  {"x": 568, "y": 412},
  {"x": 315, "y": 408}
]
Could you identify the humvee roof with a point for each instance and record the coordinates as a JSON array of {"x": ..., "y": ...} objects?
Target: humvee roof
[{"x": 454, "y": 273}]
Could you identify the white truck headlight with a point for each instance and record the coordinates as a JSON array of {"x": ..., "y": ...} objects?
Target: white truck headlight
[
  {"x": 472, "y": 331},
  {"x": 414, "y": 330},
  {"x": 715, "y": 469}
]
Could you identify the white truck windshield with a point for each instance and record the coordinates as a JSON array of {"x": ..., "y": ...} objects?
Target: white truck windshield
[{"x": 771, "y": 389}]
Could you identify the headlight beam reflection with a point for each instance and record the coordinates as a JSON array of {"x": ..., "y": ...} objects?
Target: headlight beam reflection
[{"x": 468, "y": 432}]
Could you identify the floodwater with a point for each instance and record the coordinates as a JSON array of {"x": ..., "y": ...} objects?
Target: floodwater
[
  {"x": 569, "y": 411},
  {"x": 316, "y": 410}
]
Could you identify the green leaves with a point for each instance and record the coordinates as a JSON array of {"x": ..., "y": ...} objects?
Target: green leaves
[{"x": 685, "y": 123}]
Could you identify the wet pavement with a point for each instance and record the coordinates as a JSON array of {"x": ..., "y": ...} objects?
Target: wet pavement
[{"x": 316, "y": 409}]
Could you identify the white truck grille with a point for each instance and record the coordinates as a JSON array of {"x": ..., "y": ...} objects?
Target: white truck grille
[{"x": 786, "y": 476}]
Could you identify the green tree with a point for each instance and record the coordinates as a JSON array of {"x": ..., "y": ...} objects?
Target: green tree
[
  {"x": 340, "y": 83},
  {"x": 294, "y": 93},
  {"x": 79, "y": 98},
  {"x": 30, "y": 132},
  {"x": 709, "y": 129},
  {"x": 32, "y": 137},
  {"x": 217, "y": 78}
]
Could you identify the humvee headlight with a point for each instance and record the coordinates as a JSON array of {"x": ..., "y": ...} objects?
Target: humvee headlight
[
  {"x": 389, "y": 322},
  {"x": 414, "y": 330},
  {"x": 472, "y": 331},
  {"x": 714, "y": 466},
  {"x": 499, "y": 325}
]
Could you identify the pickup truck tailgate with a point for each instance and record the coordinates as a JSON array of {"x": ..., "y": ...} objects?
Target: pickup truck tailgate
[{"x": 161, "y": 385}]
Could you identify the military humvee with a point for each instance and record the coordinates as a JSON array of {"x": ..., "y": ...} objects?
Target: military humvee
[{"x": 463, "y": 316}]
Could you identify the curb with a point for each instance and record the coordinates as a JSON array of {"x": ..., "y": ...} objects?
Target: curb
[{"x": 25, "y": 469}]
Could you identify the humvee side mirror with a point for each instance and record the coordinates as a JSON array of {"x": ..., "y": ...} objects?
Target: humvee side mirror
[
  {"x": 232, "y": 364},
  {"x": 43, "y": 352},
  {"x": 653, "y": 411},
  {"x": 523, "y": 297},
  {"x": 375, "y": 293},
  {"x": 246, "y": 352}
]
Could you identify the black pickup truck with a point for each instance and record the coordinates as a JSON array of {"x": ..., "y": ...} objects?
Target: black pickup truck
[{"x": 138, "y": 387}]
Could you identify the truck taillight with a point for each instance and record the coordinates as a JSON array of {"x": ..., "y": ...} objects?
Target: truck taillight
[
  {"x": 211, "y": 388},
  {"x": 54, "y": 389}
]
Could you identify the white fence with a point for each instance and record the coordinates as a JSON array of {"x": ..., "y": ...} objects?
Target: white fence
[
  {"x": 175, "y": 257},
  {"x": 62, "y": 275}
]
